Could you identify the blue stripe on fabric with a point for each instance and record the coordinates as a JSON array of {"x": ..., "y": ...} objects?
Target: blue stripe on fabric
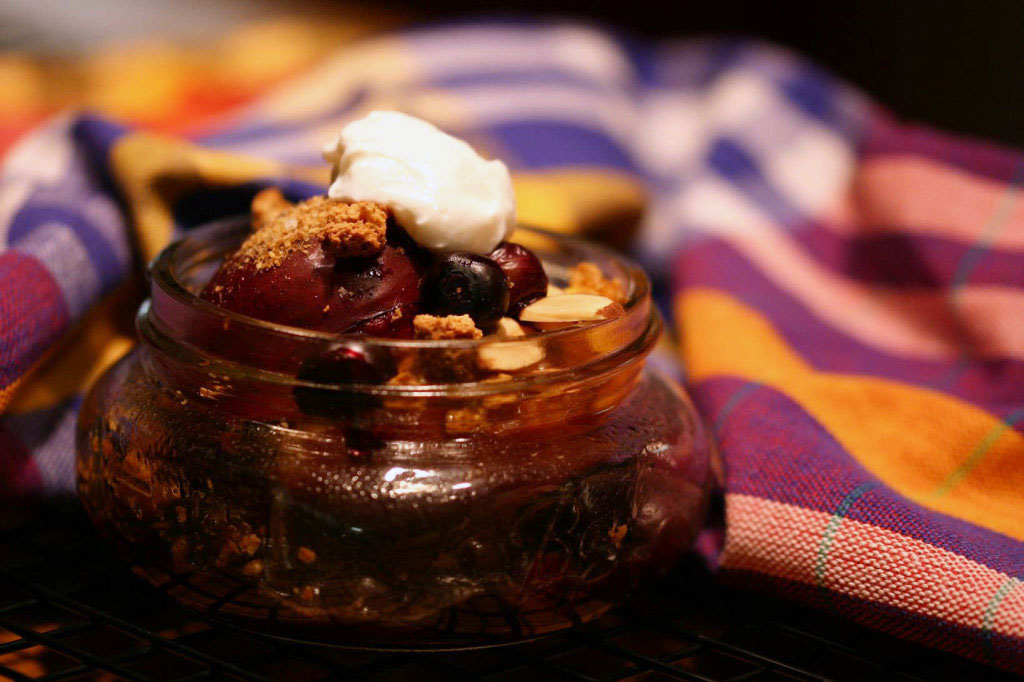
[
  {"x": 640, "y": 54},
  {"x": 734, "y": 163},
  {"x": 825, "y": 546},
  {"x": 730, "y": 404},
  {"x": 812, "y": 94},
  {"x": 995, "y": 224},
  {"x": 546, "y": 144},
  {"x": 98, "y": 136},
  {"x": 102, "y": 254},
  {"x": 822, "y": 98}
]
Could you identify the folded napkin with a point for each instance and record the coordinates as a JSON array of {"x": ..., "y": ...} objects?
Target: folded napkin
[{"x": 848, "y": 291}]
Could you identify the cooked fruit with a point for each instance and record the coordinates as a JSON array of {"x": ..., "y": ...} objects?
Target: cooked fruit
[
  {"x": 310, "y": 289},
  {"x": 463, "y": 283},
  {"x": 346, "y": 364},
  {"x": 394, "y": 323},
  {"x": 527, "y": 280}
]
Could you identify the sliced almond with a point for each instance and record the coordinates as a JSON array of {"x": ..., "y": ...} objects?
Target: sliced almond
[
  {"x": 555, "y": 290},
  {"x": 571, "y": 308},
  {"x": 503, "y": 357},
  {"x": 509, "y": 358},
  {"x": 508, "y": 328}
]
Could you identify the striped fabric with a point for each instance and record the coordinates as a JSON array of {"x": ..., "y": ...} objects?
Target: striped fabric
[{"x": 848, "y": 290}]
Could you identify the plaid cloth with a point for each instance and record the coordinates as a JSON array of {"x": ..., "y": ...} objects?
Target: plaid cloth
[{"x": 847, "y": 289}]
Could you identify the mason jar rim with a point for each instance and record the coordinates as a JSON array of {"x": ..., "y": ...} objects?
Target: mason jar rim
[{"x": 174, "y": 298}]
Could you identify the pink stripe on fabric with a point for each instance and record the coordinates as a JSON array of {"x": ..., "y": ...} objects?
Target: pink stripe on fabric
[
  {"x": 920, "y": 196},
  {"x": 908, "y": 323},
  {"x": 866, "y": 562}
]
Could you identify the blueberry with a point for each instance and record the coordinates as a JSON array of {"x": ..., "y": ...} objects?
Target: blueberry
[
  {"x": 461, "y": 283},
  {"x": 527, "y": 280},
  {"x": 346, "y": 364}
]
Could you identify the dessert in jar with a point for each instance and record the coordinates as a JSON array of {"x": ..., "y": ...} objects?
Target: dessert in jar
[{"x": 388, "y": 417}]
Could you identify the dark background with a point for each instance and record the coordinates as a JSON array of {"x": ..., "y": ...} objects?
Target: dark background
[
  {"x": 955, "y": 64},
  {"x": 958, "y": 65}
]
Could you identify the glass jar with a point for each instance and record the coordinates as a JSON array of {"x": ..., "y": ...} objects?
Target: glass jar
[{"x": 480, "y": 507}]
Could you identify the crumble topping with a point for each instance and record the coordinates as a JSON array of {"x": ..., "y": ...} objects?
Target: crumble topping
[
  {"x": 253, "y": 569},
  {"x": 267, "y": 205},
  {"x": 445, "y": 328},
  {"x": 587, "y": 278},
  {"x": 348, "y": 231},
  {"x": 409, "y": 374}
]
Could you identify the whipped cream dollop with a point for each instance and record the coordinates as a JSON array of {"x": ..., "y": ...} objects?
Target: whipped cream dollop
[{"x": 445, "y": 195}]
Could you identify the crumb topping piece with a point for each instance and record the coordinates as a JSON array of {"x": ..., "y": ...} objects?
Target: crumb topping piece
[
  {"x": 445, "y": 328},
  {"x": 587, "y": 278},
  {"x": 347, "y": 231},
  {"x": 267, "y": 205}
]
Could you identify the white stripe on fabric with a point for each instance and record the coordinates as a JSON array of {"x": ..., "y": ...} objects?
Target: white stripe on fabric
[
  {"x": 814, "y": 171},
  {"x": 43, "y": 156},
  {"x": 58, "y": 248},
  {"x": 737, "y": 105},
  {"x": 572, "y": 50},
  {"x": 715, "y": 206},
  {"x": 806, "y": 162},
  {"x": 378, "y": 66},
  {"x": 672, "y": 134},
  {"x": 300, "y": 147}
]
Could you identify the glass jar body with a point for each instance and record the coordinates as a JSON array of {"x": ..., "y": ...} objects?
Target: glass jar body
[{"x": 442, "y": 537}]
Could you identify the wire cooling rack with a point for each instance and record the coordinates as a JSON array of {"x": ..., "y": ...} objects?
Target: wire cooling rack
[{"x": 70, "y": 611}]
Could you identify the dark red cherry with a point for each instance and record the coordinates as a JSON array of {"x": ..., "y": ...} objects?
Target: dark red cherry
[
  {"x": 527, "y": 280},
  {"x": 351, "y": 363},
  {"x": 394, "y": 323},
  {"x": 381, "y": 297},
  {"x": 463, "y": 283},
  {"x": 310, "y": 289}
]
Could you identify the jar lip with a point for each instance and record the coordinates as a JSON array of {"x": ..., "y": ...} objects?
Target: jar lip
[
  {"x": 163, "y": 273},
  {"x": 190, "y": 332}
]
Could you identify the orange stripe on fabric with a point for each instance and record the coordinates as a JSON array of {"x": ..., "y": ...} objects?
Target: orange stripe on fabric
[
  {"x": 911, "y": 438},
  {"x": 7, "y": 393},
  {"x": 867, "y": 562}
]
